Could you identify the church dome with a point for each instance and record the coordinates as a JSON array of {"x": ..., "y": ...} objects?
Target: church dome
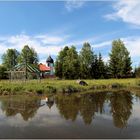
[{"x": 49, "y": 60}]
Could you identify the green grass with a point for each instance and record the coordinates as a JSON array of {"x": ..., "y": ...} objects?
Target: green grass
[{"x": 49, "y": 86}]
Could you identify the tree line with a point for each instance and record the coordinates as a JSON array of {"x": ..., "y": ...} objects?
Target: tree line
[
  {"x": 88, "y": 65},
  {"x": 70, "y": 64},
  {"x": 12, "y": 57}
]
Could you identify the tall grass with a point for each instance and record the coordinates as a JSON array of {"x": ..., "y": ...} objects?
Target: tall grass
[{"x": 56, "y": 86}]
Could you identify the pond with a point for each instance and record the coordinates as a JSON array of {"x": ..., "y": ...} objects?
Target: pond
[{"x": 93, "y": 115}]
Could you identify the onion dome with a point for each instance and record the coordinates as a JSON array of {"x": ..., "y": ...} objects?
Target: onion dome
[{"x": 49, "y": 60}]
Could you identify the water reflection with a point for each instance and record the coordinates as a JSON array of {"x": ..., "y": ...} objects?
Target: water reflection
[
  {"x": 121, "y": 106},
  {"x": 50, "y": 101},
  {"x": 89, "y": 104},
  {"x": 70, "y": 107},
  {"x": 27, "y": 107}
]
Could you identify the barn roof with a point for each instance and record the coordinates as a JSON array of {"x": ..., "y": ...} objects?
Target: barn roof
[{"x": 22, "y": 66}]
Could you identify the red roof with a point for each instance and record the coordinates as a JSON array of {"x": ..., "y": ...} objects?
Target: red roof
[{"x": 43, "y": 67}]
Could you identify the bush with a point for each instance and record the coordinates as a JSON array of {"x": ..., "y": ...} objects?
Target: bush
[
  {"x": 39, "y": 91},
  {"x": 50, "y": 89},
  {"x": 3, "y": 75}
]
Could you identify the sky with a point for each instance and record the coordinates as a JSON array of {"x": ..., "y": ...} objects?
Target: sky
[{"x": 48, "y": 26}]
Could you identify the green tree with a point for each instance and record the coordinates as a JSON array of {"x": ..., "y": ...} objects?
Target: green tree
[
  {"x": 107, "y": 71},
  {"x": 86, "y": 58},
  {"x": 94, "y": 68},
  {"x": 101, "y": 67},
  {"x": 59, "y": 62},
  {"x": 71, "y": 64},
  {"x": 9, "y": 59},
  {"x": 120, "y": 61},
  {"x": 98, "y": 67},
  {"x": 3, "y": 75},
  {"x": 28, "y": 55}
]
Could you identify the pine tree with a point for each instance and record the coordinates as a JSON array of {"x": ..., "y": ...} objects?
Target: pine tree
[
  {"x": 107, "y": 71},
  {"x": 120, "y": 61},
  {"x": 95, "y": 68},
  {"x": 101, "y": 67}
]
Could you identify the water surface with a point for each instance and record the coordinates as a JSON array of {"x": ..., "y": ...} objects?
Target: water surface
[{"x": 92, "y": 115}]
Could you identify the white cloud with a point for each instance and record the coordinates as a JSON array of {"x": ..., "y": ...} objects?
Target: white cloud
[
  {"x": 18, "y": 39},
  {"x": 126, "y": 10},
  {"x": 44, "y": 45},
  {"x": 46, "y": 39},
  {"x": 37, "y": 42},
  {"x": 74, "y": 4},
  {"x": 133, "y": 45},
  {"x": 82, "y": 41},
  {"x": 2, "y": 48},
  {"x": 49, "y": 50},
  {"x": 76, "y": 42},
  {"x": 102, "y": 44}
]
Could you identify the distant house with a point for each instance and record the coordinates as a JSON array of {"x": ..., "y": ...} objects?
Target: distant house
[
  {"x": 43, "y": 68},
  {"x": 47, "y": 70}
]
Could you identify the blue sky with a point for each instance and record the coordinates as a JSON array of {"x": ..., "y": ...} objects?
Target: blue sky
[{"x": 50, "y": 25}]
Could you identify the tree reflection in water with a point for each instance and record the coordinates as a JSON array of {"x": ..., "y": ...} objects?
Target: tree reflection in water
[
  {"x": 86, "y": 105},
  {"x": 26, "y": 107},
  {"x": 70, "y": 106},
  {"x": 90, "y": 104},
  {"x": 121, "y": 106}
]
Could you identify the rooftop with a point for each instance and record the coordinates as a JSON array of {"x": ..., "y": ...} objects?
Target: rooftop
[{"x": 43, "y": 67}]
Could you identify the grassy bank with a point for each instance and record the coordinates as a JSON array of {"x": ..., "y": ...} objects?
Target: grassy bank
[{"x": 49, "y": 86}]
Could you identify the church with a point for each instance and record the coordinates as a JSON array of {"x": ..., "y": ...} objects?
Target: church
[{"x": 47, "y": 70}]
